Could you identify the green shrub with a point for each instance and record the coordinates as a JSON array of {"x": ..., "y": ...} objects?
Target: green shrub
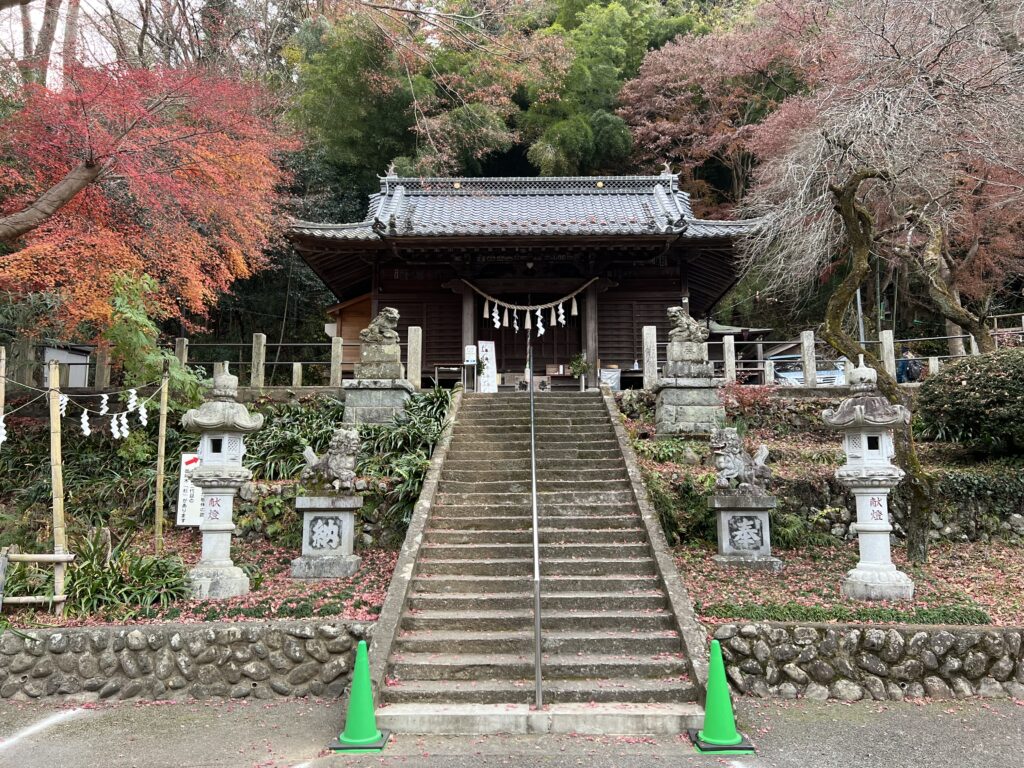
[
  {"x": 682, "y": 506},
  {"x": 394, "y": 457},
  {"x": 106, "y": 579},
  {"x": 951, "y": 614},
  {"x": 673, "y": 450},
  {"x": 977, "y": 401},
  {"x": 275, "y": 451}
]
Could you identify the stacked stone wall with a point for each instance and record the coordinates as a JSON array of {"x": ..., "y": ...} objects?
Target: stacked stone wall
[
  {"x": 180, "y": 661},
  {"x": 850, "y": 663}
]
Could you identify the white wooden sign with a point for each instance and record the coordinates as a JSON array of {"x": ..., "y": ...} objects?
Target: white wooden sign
[
  {"x": 189, "y": 496},
  {"x": 489, "y": 378}
]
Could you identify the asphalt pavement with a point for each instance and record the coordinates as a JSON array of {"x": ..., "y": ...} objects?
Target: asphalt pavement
[{"x": 293, "y": 733}]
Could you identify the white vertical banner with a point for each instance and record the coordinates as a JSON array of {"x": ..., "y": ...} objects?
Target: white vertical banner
[
  {"x": 189, "y": 496},
  {"x": 489, "y": 378}
]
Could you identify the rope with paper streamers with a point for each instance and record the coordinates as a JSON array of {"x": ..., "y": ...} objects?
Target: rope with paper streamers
[
  {"x": 557, "y": 307},
  {"x": 119, "y": 427}
]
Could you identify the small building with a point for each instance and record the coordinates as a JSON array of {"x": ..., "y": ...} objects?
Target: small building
[{"x": 436, "y": 248}]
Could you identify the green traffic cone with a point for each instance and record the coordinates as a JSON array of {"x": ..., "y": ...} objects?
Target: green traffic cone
[
  {"x": 719, "y": 734},
  {"x": 360, "y": 735}
]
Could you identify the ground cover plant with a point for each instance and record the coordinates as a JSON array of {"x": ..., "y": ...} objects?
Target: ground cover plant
[{"x": 274, "y": 595}]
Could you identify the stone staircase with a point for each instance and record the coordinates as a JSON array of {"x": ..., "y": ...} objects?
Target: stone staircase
[{"x": 462, "y": 660}]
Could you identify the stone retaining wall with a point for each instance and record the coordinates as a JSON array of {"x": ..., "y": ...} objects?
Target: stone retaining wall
[
  {"x": 847, "y": 662},
  {"x": 176, "y": 661}
]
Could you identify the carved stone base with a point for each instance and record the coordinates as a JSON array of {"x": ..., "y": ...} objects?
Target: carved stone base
[
  {"x": 374, "y": 401},
  {"x": 744, "y": 531},
  {"x": 217, "y": 582},
  {"x": 325, "y": 566},
  {"x": 877, "y": 582},
  {"x": 687, "y": 406}
]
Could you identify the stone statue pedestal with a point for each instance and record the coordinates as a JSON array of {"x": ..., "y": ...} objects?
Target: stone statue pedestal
[
  {"x": 744, "y": 532},
  {"x": 687, "y": 406},
  {"x": 328, "y": 535},
  {"x": 374, "y": 401}
]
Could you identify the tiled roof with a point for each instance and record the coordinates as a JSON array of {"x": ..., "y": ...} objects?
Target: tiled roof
[{"x": 487, "y": 207}]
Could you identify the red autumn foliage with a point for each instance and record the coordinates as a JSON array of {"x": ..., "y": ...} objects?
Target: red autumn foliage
[{"x": 186, "y": 190}]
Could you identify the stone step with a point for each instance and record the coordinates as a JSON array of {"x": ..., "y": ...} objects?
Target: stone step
[
  {"x": 496, "y": 453},
  {"x": 590, "y": 486},
  {"x": 607, "y": 718},
  {"x": 567, "y": 418},
  {"x": 562, "y": 642},
  {"x": 544, "y": 535},
  {"x": 516, "y": 438},
  {"x": 558, "y": 551},
  {"x": 582, "y": 601},
  {"x": 523, "y": 463},
  {"x": 555, "y": 691},
  {"x": 468, "y": 518},
  {"x": 551, "y": 586},
  {"x": 545, "y": 498},
  {"x": 477, "y": 620},
  {"x": 641, "y": 566},
  {"x": 582, "y": 475},
  {"x": 508, "y": 666}
]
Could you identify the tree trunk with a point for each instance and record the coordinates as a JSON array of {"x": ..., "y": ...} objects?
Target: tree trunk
[
  {"x": 931, "y": 266},
  {"x": 859, "y": 227},
  {"x": 47, "y": 204},
  {"x": 69, "y": 53}
]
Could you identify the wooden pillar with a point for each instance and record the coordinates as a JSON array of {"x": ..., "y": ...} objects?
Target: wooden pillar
[
  {"x": 650, "y": 347},
  {"x": 933, "y": 366},
  {"x": 23, "y": 361},
  {"x": 296, "y": 375},
  {"x": 337, "y": 356},
  {"x": 590, "y": 331},
  {"x": 810, "y": 363},
  {"x": 769, "y": 371},
  {"x": 729, "y": 357},
  {"x": 102, "y": 380},
  {"x": 468, "y": 318},
  {"x": 414, "y": 356},
  {"x": 259, "y": 360}
]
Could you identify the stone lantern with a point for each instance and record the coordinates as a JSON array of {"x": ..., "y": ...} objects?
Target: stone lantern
[
  {"x": 222, "y": 423},
  {"x": 866, "y": 420}
]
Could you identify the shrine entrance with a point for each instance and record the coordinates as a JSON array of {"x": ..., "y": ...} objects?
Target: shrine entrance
[{"x": 554, "y": 349}]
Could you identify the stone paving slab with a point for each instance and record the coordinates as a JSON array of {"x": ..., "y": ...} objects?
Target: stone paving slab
[{"x": 292, "y": 733}]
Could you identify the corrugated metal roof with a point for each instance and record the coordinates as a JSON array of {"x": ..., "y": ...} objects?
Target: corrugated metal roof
[{"x": 527, "y": 206}]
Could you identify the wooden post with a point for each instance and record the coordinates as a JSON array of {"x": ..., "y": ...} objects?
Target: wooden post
[
  {"x": 468, "y": 318},
  {"x": 729, "y": 358},
  {"x": 650, "y": 352},
  {"x": 590, "y": 331},
  {"x": 259, "y": 360},
  {"x": 296, "y": 375},
  {"x": 769, "y": 371},
  {"x": 161, "y": 444},
  {"x": 337, "y": 356},
  {"x": 888, "y": 352},
  {"x": 3, "y": 377},
  {"x": 181, "y": 350},
  {"x": 102, "y": 380},
  {"x": 60, "y": 544},
  {"x": 3, "y": 570},
  {"x": 933, "y": 366},
  {"x": 23, "y": 361},
  {"x": 810, "y": 363},
  {"x": 414, "y": 356}
]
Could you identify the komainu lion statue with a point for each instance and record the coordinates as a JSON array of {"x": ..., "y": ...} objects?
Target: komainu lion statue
[
  {"x": 382, "y": 329},
  {"x": 736, "y": 469},
  {"x": 684, "y": 327},
  {"x": 336, "y": 468}
]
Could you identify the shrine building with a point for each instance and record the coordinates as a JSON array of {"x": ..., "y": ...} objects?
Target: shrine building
[{"x": 453, "y": 255}]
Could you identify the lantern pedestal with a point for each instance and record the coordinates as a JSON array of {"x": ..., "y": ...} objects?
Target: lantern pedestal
[
  {"x": 744, "y": 533},
  {"x": 328, "y": 535},
  {"x": 875, "y": 577}
]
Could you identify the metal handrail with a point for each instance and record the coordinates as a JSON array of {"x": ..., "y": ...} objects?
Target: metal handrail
[{"x": 537, "y": 657}]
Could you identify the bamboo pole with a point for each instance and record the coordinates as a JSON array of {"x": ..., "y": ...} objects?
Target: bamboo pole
[
  {"x": 60, "y": 545},
  {"x": 161, "y": 444},
  {"x": 3, "y": 378}
]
